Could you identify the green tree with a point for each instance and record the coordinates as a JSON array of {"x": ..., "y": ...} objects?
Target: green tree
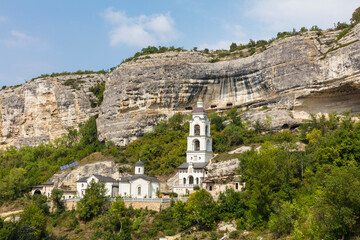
[
  {"x": 56, "y": 197},
  {"x": 14, "y": 185},
  {"x": 271, "y": 176},
  {"x": 34, "y": 217},
  {"x": 92, "y": 204},
  {"x": 356, "y": 16},
  {"x": 337, "y": 205},
  {"x": 181, "y": 214},
  {"x": 231, "y": 204},
  {"x": 233, "y": 47},
  {"x": 202, "y": 209}
]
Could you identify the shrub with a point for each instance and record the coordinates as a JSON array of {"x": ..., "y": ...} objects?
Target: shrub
[
  {"x": 234, "y": 235},
  {"x": 214, "y": 60}
]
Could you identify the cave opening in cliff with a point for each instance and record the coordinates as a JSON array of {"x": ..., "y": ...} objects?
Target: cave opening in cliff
[
  {"x": 188, "y": 108},
  {"x": 229, "y": 104}
]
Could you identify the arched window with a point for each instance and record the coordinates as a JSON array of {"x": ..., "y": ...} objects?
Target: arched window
[
  {"x": 37, "y": 191},
  {"x": 139, "y": 190},
  {"x": 207, "y": 130},
  {"x": 208, "y": 145},
  {"x": 197, "y": 181},
  {"x": 210, "y": 188},
  {"x": 197, "y": 130},
  {"x": 196, "y": 145},
  {"x": 191, "y": 180},
  {"x": 184, "y": 180},
  {"x": 139, "y": 170}
]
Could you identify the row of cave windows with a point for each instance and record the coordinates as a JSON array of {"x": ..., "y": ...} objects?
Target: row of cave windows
[
  {"x": 212, "y": 106},
  {"x": 210, "y": 187}
]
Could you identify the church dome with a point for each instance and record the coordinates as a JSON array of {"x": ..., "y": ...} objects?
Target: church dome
[{"x": 139, "y": 164}]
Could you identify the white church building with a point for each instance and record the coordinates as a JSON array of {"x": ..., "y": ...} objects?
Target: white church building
[
  {"x": 139, "y": 185},
  {"x": 198, "y": 154},
  {"x": 135, "y": 186}
]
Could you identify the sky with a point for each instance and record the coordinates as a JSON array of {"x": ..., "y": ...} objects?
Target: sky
[{"x": 43, "y": 36}]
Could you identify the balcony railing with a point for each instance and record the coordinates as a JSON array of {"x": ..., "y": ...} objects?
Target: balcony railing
[{"x": 185, "y": 185}]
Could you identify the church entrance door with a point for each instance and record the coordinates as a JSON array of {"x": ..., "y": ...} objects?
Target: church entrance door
[{"x": 191, "y": 180}]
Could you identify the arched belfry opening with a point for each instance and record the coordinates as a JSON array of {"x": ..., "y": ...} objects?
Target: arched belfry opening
[
  {"x": 207, "y": 130},
  {"x": 197, "y": 130},
  {"x": 196, "y": 145}
]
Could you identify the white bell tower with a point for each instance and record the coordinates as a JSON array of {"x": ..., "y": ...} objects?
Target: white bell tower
[{"x": 199, "y": 141}]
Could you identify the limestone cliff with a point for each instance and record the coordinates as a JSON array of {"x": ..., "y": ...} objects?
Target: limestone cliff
[
  {"x": 41, "y": 109},
  {"x": 308, "y": 72}
]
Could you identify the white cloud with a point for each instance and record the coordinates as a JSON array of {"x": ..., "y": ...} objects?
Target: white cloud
[
  {"x": 18, "y": 39},
  {"x": 141, "y": 30},
  {"x": 282, "y": 15},
  {"x": 220, "y": 45},
  {"x": 235, "y": 32}
]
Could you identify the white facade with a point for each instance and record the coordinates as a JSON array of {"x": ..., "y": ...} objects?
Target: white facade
[
  {"x": 83, "y": 183},
  {"x": 44, "y": 189},
  {"x": 198, "y": 154},
  {"x": 139, "y": 185}
]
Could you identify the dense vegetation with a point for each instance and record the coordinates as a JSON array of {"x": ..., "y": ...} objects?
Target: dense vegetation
[
  {"x": 27, "y": 166},
  {"x": 306, "y": 193}
]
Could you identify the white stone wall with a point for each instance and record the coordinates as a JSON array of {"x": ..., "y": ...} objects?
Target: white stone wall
[
  {"x": 154, "y": 187},
  {"x": 145, "y": 188},
  {"x": 108, "y": 187},
  {"x": 124, "y": 189},
  {"x": 80, "y": 189}
]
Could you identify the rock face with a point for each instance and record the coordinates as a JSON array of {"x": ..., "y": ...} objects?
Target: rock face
[
  {"x": 307, "y": 73},
  {"x": 222, "y": 172},
  {"x": 67, "y": 179},
  {"x": 41, "y": 109}
]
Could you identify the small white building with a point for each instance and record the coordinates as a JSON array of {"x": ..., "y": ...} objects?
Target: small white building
[
  {"x": 44, "y": 189},
  {"x": 198, "y": 154},
  {"x": 139, "y": 185},
  {"x": 111, "y": 185}
]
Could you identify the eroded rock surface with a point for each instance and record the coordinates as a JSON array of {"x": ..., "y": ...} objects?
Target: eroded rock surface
[
  {"x": 222, "y": 172},
  {"x": 307, "y": 73},
  {"x": 303, "y": 74},
  {"x": 41, "y": 109}
]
